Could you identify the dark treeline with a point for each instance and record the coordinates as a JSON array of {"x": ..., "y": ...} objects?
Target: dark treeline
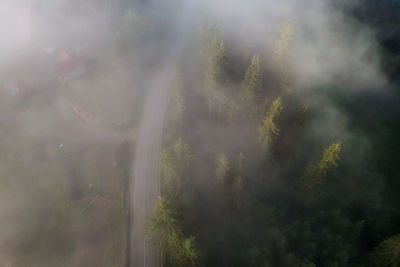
[{"x": 257, "y": 172}]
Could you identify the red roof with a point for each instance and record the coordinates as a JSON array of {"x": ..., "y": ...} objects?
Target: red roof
[{"x": 68, "y": 63}]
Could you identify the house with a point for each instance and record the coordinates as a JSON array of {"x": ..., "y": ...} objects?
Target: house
[{"x": 70, "y": 66}]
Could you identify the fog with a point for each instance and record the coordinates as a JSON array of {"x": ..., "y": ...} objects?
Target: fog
[{"x": 88, "y": 93}]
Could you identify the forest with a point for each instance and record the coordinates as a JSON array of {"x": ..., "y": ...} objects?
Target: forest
[
  {"x": 279, "y": 138},
  {"x": 260, "y": 171}
]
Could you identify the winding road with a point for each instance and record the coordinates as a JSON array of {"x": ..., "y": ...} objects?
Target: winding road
[{"x": 144, "y": 181}]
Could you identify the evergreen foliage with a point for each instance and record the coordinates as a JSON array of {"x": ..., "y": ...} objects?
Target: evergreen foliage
[
  {"x": 281, "y": 53},
  {"x": 174, "y": 161},
  {"x": 222, "y": 168},
  {"x": 232, "y": 112},
  {"x": 164, "y": 232},
  {"x": 387, "y": 253},
  {"x": 252, "y": 83},
  {"x": 316, "y": 175},
  {"x": 268, "y": 131},
  {"x": 215, "y": 98}
]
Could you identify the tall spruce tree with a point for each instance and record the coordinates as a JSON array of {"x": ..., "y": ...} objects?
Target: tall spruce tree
[
  {"x": 252, "y": 83},
  {"x": 215, "y": 98},
  {"x": 232, "y": 112},
  {"x": 165, "y": 233},
  {"x": 316, "y": 175},
  {"x": 281, "y": 54},
  {"x": 222, "y": 168},
  {"x": 268, "y": 131},
  {"x": 174, "y": 160}
]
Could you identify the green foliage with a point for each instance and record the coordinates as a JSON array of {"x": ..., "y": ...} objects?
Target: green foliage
[
  {"x": 214, "y": 74},
  {"x": 268, "y": 131},
  {"x": 164, "y": 232},
  {"x": 329, "y": 158},
  {"x": 222, "y": 168},
  {"x": 182, "y": 251},
  {"x": 232, "y": 112},
  {"x": 265, "y": 219},
  {"x": 217, "y": 103},
  {"x": 316, "y": 175},
  {"x": 281, "y": 53},
  {"x": 174, "y": 160},
  {"x": 162, "y": 225},
  {"x": 215, "y": 60},
  {"x": 252, "y": 82},
  {"x": 387, "y": 253},
  {"x": 284, "y": 43}
]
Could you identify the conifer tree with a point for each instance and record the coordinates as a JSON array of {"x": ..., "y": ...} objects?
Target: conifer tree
[
  {"x": 252, "y": 82},
  {"x": 215, "y": 98},
  {"x": 232, "y": 112},
  {"x": 222, "y": 168},
  {"x": 387, "y": 253},
  {"x": 162, "y": 225},
  {"x": 174, "y": 160},
  {"x": 329, "y": 159},
  {"x": 282, "y": 48},
  {"x": 182, "y": 251},
  {"x": 164, "y": 232},
  {"x": 268, "y": 131},
  {"x": 215, "y": 58},
  {"x": 316, "y": 175}
]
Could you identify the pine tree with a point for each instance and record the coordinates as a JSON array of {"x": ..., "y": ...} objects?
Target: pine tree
[
  {"x": 281, "y": 52},
  {"x": 328, "y": 161},
  {"x": 216, "y": 54},
  {"x": 162, "y": 225},
  {"x": 164, "y": 232},
  {"x": 214, "y": 71},
  {"x": 316, "y": 175},
  {"x": 252, "y": 82},
  {"x": 174, "y": 161},
  {"x": 182, "y": 251},
  {"x": 268, "y": 131},
  {"x": 222, "y": 168},
  {"x": 232, "y": 112},
  {"x": 387, "y": 253}
]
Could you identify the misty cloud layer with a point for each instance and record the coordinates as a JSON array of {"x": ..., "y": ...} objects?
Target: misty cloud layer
[{"x": 60, "y": 174}]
